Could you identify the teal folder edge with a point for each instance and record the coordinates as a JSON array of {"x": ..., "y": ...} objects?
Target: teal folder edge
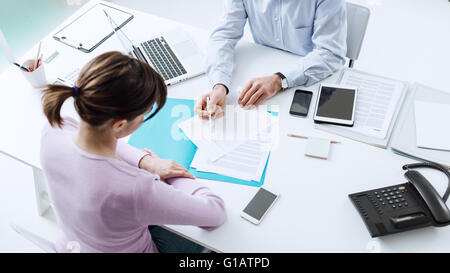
[{"x": 162, "y": 135}]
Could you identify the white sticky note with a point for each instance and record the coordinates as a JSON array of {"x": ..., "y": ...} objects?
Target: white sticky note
[
  {"x": 431, "y": 133},
  {"x": 318, "y": 147}
]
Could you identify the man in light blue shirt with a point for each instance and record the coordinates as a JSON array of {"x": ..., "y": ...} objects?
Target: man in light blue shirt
[{"x": 315, "y": 29}]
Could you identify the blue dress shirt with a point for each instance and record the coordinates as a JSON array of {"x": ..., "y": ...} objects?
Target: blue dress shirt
[{"x": 315, "y": 29}]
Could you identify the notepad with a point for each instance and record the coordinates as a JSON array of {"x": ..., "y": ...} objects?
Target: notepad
[
  {"x": 431, "y": 132},
  {"x": 318, "y": 147}
]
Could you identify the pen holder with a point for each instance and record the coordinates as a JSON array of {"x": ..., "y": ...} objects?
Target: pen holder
[{"x": 36, "y": 78}]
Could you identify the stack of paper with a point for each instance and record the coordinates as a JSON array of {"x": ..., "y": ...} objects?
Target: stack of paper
[
  {"x": 378, "y": 103},
  {"x": 236, "y": 145},
  {"x": 410, "y": 125},
  {"x": 430, "y": 133},
  {"x": 377, "y": 100}
]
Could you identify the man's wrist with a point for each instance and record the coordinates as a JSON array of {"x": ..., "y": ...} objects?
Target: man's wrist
[
  {"x": 221, "y": 86},
  {"x": 283, "y": 81},
  {"x": 277, "y": 81}
]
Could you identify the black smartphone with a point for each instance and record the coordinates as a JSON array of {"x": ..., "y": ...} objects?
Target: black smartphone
[{"x": 300, "y": 103}]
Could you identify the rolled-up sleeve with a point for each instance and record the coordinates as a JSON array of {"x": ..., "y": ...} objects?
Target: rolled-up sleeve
[
  {"x": 220, "y": 53},
  {"x": 329, "y": 40}
]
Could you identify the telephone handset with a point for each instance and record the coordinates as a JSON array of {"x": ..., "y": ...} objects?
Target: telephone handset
[{"x": 411, "y": 205}]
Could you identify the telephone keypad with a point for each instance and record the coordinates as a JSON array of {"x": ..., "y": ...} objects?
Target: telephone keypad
[{"x": 392, "y": 196}]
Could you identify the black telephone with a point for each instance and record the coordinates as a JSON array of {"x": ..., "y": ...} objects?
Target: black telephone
[{"x": 414, "y": 204}]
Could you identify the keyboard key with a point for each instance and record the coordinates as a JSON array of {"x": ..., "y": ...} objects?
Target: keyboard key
[{"x": 163, "y": 59}]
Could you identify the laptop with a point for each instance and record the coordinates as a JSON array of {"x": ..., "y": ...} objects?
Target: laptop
[{"x": 173, "y": 55}]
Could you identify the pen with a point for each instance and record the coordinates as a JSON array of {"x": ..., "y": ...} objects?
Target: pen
[
  {"x": 21, "y": 67},
  {"x": 37, "y": 56},
  {"x": 305, "y": 137},
  {"x": 39, "y": 61},
  {"x": 209, "y": 115},
  {"x": 64, "y": 81}
]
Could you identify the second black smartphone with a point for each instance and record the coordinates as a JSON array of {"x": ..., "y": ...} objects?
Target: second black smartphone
[{"x": 300, "y": 103}]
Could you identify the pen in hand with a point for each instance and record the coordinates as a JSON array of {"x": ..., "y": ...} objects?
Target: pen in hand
[{"x": 209, "y": 115}]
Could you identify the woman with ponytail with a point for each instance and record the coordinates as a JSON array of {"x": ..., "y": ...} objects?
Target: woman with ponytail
[{"x": 106, "y": 193}]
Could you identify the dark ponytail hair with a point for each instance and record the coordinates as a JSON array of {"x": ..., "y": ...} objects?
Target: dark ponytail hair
[{"x": 111, "y": 86}]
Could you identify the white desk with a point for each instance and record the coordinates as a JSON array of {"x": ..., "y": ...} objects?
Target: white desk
[{"x": 313, "y": 212}]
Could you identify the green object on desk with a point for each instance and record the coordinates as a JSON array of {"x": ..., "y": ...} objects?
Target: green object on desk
[
  {"x": 162, "y": 135},
  {"x": 25, "y": 22}
]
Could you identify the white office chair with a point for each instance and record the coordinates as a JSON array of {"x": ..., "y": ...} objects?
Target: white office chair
[
  {"x": 357, "y": 20},
  {"x": 39, "y": 241}
]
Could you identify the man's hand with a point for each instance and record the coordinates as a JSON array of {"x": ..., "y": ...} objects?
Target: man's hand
[
  {"x": 217, "y": 100},
  {"x": 258, "y": 90},
  {"x": 165, "y": 168}
]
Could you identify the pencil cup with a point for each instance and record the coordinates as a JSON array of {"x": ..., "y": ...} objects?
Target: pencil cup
[{"x": 36, "y": 78}]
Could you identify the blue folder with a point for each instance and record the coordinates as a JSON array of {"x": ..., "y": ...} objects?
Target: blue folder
[{"x": 162, "y": 135}]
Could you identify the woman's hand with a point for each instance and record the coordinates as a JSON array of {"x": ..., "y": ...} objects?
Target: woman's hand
[{"x": 165, "y": 168}]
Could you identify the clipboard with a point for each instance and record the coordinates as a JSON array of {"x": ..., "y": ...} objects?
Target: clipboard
[{"x": 91, "y": 29}]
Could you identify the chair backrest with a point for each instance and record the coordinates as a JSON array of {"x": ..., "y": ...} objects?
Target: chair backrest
[
  {"x": 42, "y": 243},
  {"x": 357, "y": 20}
]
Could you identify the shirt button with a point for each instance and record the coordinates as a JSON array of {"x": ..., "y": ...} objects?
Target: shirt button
[
  {"x": 276, "y": 19},
  {"x": 277, "y": 39}
]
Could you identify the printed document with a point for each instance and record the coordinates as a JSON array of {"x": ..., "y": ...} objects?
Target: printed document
[{"x": 376, "y": 102}]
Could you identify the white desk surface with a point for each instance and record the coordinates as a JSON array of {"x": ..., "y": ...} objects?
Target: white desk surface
[{"x": 313, "y": 213}]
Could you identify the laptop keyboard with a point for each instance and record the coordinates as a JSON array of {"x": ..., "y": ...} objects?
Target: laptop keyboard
[{"x": 163, "y": 59}]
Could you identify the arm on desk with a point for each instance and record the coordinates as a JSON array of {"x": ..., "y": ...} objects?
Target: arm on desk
[
  {"x": 183, "y": 202},
  {"x": 129, "y": 154},
  {"x": 223, "y": 40},
  {"x": 329, "y": 42}
]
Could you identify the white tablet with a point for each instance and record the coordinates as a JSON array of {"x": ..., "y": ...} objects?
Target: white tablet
[{"x": 336, "y": 104}]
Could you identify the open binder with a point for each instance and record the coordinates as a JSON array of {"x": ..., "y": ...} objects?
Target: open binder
[
  {"x": 401, "y": 135},
  {"x": 352, "y": 134},
  {"x": 87, "y": 32},
  {"x": 162, "y": 135},
  {"x": 404, "y": 137}
]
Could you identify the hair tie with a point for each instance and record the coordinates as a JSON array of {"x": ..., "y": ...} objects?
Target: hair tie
[{"x": 76, "y": 91}]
